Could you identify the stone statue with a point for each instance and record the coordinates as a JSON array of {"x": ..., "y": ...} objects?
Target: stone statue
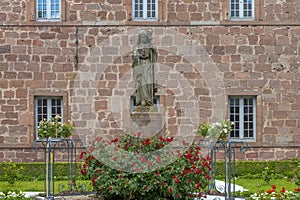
[{"x": 144, "y": 62}]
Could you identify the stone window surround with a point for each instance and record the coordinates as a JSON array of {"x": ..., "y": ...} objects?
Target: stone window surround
[
  {"x": 259, "y": 118},
  {"x": 241, "y": 115},
  {"x": 46, "y": 93},
  {"x": 241, "y": 10},
  {"x": 258, "y": 9},
  {"x": 48, "y": 10},
  {"x": 145, "y": 10},
  {"x": 161, "y": 12},
  {"x": 31, "y": 12}
]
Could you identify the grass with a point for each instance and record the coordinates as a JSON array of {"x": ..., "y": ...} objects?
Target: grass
[
  {"x": 37, "y": 186},
  {"x": 253, "y": 185},
  {"x": 256, "y": 185}
]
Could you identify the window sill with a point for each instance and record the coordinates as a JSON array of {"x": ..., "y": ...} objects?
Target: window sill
[
  {"x": 48, "y": 20},
  {"x": 242, "y": 140},
  {"x": 240, "y": 22}
]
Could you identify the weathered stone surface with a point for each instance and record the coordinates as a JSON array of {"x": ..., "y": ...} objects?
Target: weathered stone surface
[{"x": 5, "y": 48}]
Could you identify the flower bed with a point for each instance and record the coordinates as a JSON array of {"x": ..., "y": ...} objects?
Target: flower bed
[
  {"x": 274, "y": 194},
  {"x": 185, "y": 178}
]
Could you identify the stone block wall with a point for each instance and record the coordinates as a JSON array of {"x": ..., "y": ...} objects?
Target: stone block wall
[
  {"x": 259, "y": 57},
  {"x": 113, "y": 12}
]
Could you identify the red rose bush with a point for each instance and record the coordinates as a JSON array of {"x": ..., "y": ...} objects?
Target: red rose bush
[{"x": 142, "y": 172}]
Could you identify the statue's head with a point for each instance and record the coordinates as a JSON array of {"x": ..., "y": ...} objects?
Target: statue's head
[{"x": 144, "y": 37}]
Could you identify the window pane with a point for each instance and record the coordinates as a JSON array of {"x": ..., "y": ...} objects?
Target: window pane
[{"x": 251, "y": 134}]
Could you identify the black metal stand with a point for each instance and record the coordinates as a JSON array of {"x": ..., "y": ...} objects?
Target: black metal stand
[
  {"x": 49, "y": 146},
  {"x": 229, "y": 149}
]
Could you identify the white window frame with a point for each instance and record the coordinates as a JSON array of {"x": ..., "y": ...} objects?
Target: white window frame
[
  {"x": 241, "y": 10},
  {"x": 144, "y": 17},
  {"x": 241, "y": 114},
  {"x": 48, "y": 11},
  {"x": 49, "y": 109}
]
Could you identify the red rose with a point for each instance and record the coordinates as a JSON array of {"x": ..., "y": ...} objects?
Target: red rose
[
  {"x": 115, "y": 140},
  {"x": 94, "y": 180},
  {"x": 170, "y": 189},
  {"x": 83, "y": 172},
  {"x": 283, "y": 190},
  {"x": 270, "y": 191},
  {"x": 110, "y": 188},
  {"x": 198, "y": 171},
  {"x": 274, "y": 187},
  {"x": 188, "y": 155},
  {"x": 92, "y": 148},
  {"x": 82, "y": 154}
]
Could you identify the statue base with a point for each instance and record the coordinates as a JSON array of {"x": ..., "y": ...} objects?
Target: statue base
[
  {"x": 146, "y": 119},
  {"x": 143, "y": 109}
]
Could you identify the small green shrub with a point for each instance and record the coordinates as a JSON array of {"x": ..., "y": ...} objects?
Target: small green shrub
[
  {"x": 11, "y": 172},
  {"x": 284, "y": 168},
  {"x": 297, "y": 175},
  {"x": 267, "y": 174}
]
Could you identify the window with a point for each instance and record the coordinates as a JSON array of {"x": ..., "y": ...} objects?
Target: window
[
  {"x": 47, "y": 107},
  {"x": 48, "y": 10},
  {"x": 242, "y": 9},
  {"x": 242, "y": 112},
  {"x": 144, "y": 9}
]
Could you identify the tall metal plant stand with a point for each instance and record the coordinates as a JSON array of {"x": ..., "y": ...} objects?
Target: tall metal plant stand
[
  {"x": 49, "y": 147},
  {"x": 229, "y": 149}
]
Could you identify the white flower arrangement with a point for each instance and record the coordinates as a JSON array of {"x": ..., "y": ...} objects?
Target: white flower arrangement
[
  {"x": 53, "y": 128},
  {"x": 216, "y": 130}
]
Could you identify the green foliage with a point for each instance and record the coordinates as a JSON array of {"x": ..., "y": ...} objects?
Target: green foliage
[
  {"x": 182, "y": 179},
  {"x": 254, "y": 169},
  {"x": 11, "y": 172},
  {"x": 54, "y": 128},
  {"x": 38, "y": 186},
  {"x": 267, "y": 174},
  {"x": 35, "y": 171},
  {"x": 297, "y": 175}
]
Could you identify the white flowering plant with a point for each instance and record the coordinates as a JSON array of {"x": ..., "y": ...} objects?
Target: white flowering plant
[
  {"x": 216, "y": 130},
  {"x": 12, "y": 195},
  {"x": 53, "y": 128}
]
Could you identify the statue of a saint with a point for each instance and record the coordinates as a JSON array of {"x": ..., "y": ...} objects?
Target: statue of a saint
[{"x": 144, "y": 61}]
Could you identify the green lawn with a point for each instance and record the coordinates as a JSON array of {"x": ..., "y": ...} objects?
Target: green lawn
[
  {"x": 37, "y": 186},
  {"x": 255, "y": 185}
]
